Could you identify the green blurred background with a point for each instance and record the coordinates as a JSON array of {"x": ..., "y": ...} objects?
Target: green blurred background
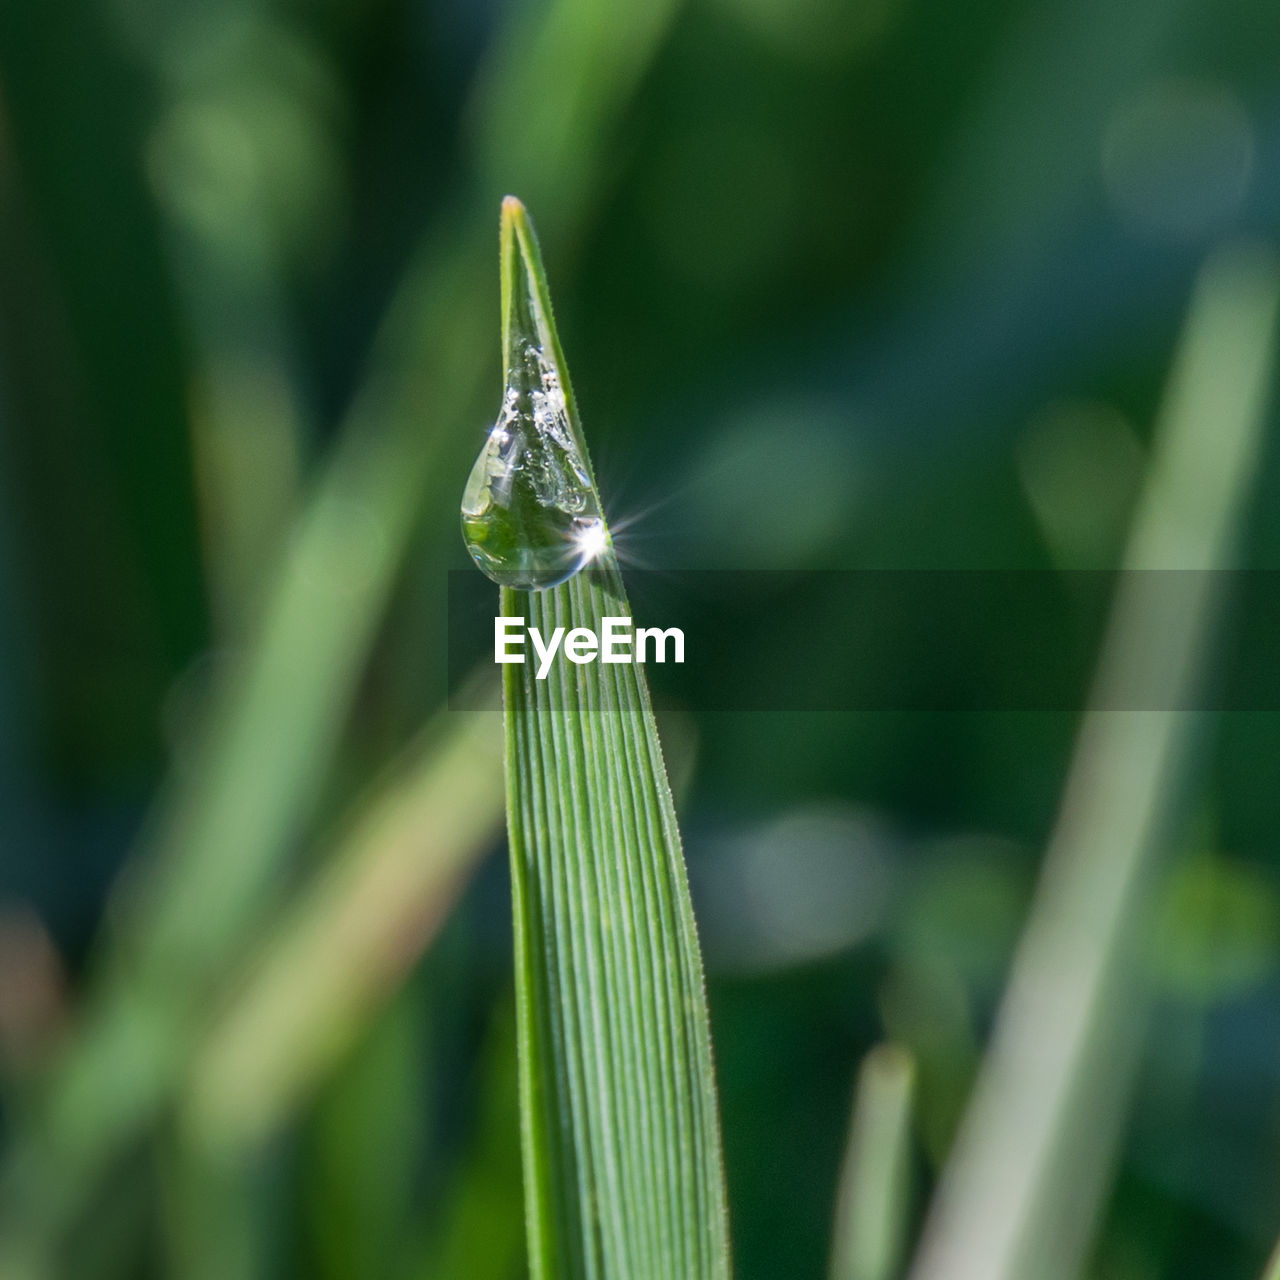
[{"x": 843, "y": 284}]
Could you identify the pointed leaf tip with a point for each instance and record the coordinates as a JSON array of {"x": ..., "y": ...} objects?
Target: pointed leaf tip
[{"x": 513, "y": 211}]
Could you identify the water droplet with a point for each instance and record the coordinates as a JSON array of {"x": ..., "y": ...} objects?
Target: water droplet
[{"x": 529, "y": 512}]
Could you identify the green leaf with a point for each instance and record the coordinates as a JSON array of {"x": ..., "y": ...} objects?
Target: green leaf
[
  {"x": 345, "y": 944},
  {"x": 623, "y": 1167},
  {"x": 875, "y": 1177},
  {"x": 1031, "y": 1161},
  {"x": 1272, "y": 1270},
  {"x": 209, "y": 869}
]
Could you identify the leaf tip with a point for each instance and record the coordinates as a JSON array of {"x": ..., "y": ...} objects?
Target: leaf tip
[{"x": 513, "y": 210}]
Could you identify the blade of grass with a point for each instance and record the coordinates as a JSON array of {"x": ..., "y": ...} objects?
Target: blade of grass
[
  {"x": 623, "y": 1168},
  {"x": 214, "y": 1219},
  {"x": 371, "y": 1132},
  {"x": 209, "y": 865},
  {"x": 531, "y": 142},
  {"x": 346, "y": 945},
  {"x": 1020, "y": 1192},
  {"x": 871, "y": 1205},
  {"x": 1272, "y": 1271},
  {"x": 473, "y": 1232},
  {"x": 249, "y": 428}
]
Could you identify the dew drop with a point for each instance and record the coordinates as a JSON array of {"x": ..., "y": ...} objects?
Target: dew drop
[{"x": 529, "y": 512}]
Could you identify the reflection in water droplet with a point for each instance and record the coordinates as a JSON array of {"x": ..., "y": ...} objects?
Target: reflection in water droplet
[{"x": 529, "y": 513}]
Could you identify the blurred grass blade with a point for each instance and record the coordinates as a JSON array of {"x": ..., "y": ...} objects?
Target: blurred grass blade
[
  {"x": 1272, "y": 1271},
  {"x": 548, "y": 145},
  {"x": 1018, "y": 1198},
  {"x": 336, "y": 956},
  {"x": 872, "y": 1203},
  {"x": 211, "y": 865},
  {"x": 623, "y": 1169},
  {"x": 475, "y": 1234},
  {"x": 215, "y": 1220},
  {"x": 372, "y": 1129}
]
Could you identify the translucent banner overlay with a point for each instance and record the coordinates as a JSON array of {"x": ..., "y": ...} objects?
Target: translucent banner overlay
[{"x": 914, "y": 640}]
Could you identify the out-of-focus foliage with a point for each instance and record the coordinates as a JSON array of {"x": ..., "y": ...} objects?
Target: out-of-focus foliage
[{"x": 847, "y": 283}]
